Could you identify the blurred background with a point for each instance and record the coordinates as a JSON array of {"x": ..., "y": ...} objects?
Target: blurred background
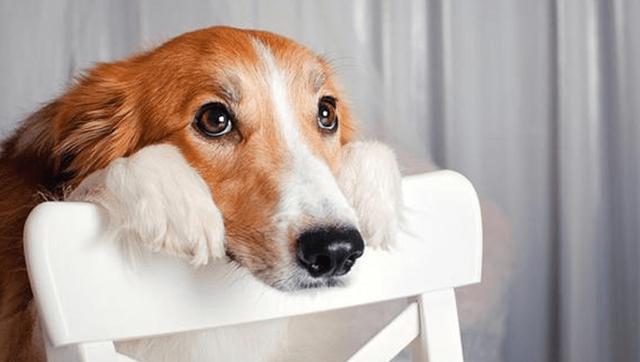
[{"x": 535, "y": 101}]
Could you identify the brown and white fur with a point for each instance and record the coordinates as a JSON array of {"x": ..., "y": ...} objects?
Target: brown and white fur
[{"x": 123, "y": 136}]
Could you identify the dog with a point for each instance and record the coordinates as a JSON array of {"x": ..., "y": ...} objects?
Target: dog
[{"x": 220, "y": 143}]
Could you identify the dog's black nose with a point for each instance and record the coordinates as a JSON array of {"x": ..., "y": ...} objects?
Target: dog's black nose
[{"x": 330, "y": 251}]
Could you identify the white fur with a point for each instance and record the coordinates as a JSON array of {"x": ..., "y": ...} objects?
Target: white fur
[
  {"x": 308, "y": 189},
  {"x": 155, "y": 198},
  {"x": 371, "y": 180},
  {"x": 309, "y": 193}
]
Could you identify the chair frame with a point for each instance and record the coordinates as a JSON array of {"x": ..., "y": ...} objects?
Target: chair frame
[{"x": 69, "y": 252}]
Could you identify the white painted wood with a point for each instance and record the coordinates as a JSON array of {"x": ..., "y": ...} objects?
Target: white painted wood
[
  {"x": 439, "y": 339},
  {"x": 123, "y": 358},
  {"x": 394, "y": 337},
  {"x": 84, "y": 352},
  {"x": 86, "y": 289}
]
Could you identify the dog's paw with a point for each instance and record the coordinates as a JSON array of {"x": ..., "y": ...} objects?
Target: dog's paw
[
  {"x": 370, "y": 179},
  {"x": 155, "y": 198}
]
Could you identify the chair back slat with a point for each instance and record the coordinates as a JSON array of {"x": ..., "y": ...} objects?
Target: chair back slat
[{"x": 87, "y": 288}]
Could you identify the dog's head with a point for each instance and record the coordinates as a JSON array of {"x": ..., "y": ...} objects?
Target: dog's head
[
  {"x": 264, "y": 124},
  {"x": 258, "y": 116}
]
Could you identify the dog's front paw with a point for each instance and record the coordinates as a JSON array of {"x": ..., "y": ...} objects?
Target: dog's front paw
[
  {"x": 155, "y": 198},
  {"x": 370, "y": 179}
]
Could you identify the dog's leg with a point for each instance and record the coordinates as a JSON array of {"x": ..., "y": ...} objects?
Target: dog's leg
[
  {"x": 370, "y": 179},
  {"x": 155, "y": 198}
]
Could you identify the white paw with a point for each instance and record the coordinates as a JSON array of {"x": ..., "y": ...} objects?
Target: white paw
[
  {"x": 370, "y": 179},
  {"x": 155, "y": 198}
]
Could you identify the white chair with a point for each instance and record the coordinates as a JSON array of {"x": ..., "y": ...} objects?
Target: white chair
[{"x": 88, "y": 294}]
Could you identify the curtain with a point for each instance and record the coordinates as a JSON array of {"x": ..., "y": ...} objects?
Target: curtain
[{"x": 535, "y": 101}]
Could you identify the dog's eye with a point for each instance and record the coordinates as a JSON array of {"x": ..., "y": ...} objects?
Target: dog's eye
[
  {"x": 213, "y": 120},
  {"x": 327, "y": 116}
]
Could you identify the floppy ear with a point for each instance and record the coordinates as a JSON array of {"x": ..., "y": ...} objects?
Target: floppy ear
[
  {"x": 94, "y": 124},
  {"x": 82, "y": 131}
]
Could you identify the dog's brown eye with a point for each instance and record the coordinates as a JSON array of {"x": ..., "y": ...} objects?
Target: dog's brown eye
[
  {"x": 213, "y": 120},
  {"x": 327, "y": 116}
]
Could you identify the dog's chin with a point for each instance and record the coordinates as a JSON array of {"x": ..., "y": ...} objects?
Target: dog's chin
[
  {"x": 298, "y": 279},
  {"x": 292, "y": 285}
]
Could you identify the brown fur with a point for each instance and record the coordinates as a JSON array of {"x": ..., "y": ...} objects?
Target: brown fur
[{"x": 118, "y": 108}]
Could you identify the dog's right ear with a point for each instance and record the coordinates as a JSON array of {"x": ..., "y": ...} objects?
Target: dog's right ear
[
  {"x": 83, "y": 130},
  {"x": 95, "y": 123}
]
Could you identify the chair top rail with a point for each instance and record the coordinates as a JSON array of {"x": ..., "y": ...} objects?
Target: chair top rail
[{"x": 87, "y": 289}]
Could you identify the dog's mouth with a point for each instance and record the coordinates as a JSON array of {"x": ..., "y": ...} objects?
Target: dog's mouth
[
  {"x": 293, "y": 284},
  {"x": 291, "y": 279},
  {"x": 301, "y": 281}
]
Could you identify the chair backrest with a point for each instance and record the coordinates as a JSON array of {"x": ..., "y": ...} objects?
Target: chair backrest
[{"x": 87, "y": 289}]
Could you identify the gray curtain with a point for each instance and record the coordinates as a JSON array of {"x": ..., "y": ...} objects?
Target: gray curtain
[{"x": 535, "y": 101}]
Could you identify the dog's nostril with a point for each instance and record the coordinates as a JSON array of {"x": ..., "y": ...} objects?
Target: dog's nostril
[
  {"x": 329, "y": 251},
  {"x": 348, "y": 263},
  {"x": 351, "y": 259},
  {"x": 322, "y": 265}
]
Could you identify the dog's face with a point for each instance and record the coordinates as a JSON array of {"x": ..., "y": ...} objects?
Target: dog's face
[
  {"x": 261, "y": 120},
  {"x": 264, "y": 124}
]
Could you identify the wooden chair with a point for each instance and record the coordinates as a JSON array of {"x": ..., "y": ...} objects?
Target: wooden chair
[{"x": 89, "y": 295}]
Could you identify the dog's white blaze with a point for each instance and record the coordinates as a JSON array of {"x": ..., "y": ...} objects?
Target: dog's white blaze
[{"x": 309, "y": 188}]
